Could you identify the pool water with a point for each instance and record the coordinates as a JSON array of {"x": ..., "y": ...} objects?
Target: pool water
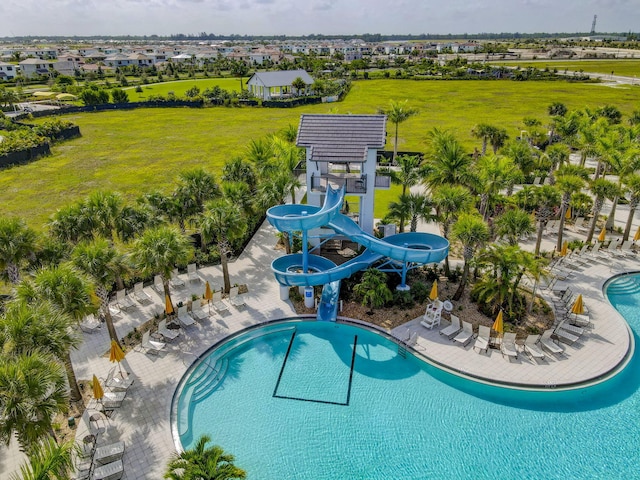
[{"x": 315, "y": 400}]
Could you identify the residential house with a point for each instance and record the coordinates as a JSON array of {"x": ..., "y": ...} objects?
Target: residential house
[
  {"x": 274, "y": 85},
  {"x": 33, "y": 67},
  {"x": 8, "y": 71}
]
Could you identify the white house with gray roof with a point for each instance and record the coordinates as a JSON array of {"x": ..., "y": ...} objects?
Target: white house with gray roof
[
  {"x": 342, "y": 151},
  {"x": 275, "y": 85}
]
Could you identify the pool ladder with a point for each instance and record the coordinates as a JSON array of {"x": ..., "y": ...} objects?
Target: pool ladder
[{"x": 402, "y": 350}]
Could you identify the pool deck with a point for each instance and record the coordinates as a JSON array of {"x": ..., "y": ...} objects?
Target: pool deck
[{"x": 143, "y": 422}]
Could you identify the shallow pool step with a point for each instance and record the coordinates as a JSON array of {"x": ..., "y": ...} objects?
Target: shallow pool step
[{"x": 206, "y": 388}]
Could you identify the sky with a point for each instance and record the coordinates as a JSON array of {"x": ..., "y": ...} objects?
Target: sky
[{"x": 304, "y": 17}]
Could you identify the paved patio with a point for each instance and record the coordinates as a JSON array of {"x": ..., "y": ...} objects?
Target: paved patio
[{"x": 143, "y": 420}]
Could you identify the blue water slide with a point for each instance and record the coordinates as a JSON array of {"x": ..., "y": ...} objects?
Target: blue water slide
[
  {"x": 296, "y": 217},
  {"x": 328, "y": 307}
]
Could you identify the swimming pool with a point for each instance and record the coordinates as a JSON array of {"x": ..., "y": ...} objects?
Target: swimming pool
[{"x": 312, "y": 400}]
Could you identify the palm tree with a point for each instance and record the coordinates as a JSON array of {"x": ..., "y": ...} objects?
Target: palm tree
[
  {"x": 568, "y": 185},
  {"x": 408, "y": 172},
  {"x": 632, "y": 184},
  {"x": 288, "y": 156},
  {"x": 198, "y": 185},
  {"x": 522, "y": 155},
  {"x": 397, "y": 113},
  {"x": 102, "y": 263},
  {"x": 67, "y": 290},
  {"x": 102, "y": 209},
  {"x": 547, "y": 198},
  {"x": 400, "y": 211},
  {"x": 513, "y": 224},
  {"x": 493, "y": 175},
  {"x": 223, "y": 222},
  {"x": 558, "y": 155},
  {"x": 203, "y": 463},
  {"x": 239, "y": 170},
  {"x": 17, "y": 243},
  {"x": 373, "y": 288},
  {"x": 48, "y": 461},
  {"x": 497, "y": 138},
  {"x": 159, "y": 250},
  {"x": 472, "y": 231},
  {"x": 447, "y": 162},
  {"x": 601, "y": 189},
  {"x": 482, "y": 131},
  {"x": 420, "y": 208},
  {"x": 32, "y": 392}
]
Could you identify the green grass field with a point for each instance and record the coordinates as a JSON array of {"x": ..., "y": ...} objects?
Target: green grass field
[
  {"x": 142, "y": 150},
  {"x": 626, "y": 68},
  {"x": 179, "y": 87}
]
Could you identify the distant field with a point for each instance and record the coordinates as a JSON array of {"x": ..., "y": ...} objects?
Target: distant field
[
  {"x": 626, "y": 68},
  {"x": 179, "y": 87},
  {"x": 142, "y": 150}
]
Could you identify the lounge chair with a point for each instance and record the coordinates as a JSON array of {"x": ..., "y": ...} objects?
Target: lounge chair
[
  {"x": 578, "y": 224},
  {"x": 565, "y": 337},
  {"x": 123, "y": 300},
  {"x": 625, "y": 250},
  {"x": 158, "y": 285},
  {"x": 612, "y": 248},
  {"x": 110, "y": 471},
  {"x": 548, "y": 344},
  {"x": 482, "y": 340},
  {"x": 198, "y": 312},
  {"x": 192, "y": 273},
  {"x": 151, "y": 346},
  {"x": 90, "y": 324},
  {"x": 217, "y": 302},
  {"x": 112, "y": 399},
  {"x": 184, "y": 318},
  {"x": 108, "y": 453},
  {"x": 236, "y": 299},
  {"x": 465, "y": 336},
  {"x": 508, "y": 345},
  {"x": 117, "y": 382},
  {"x": 176, "y": 281},
  {"x": 166, "y": 333},
  {"x": 532, "y": 348},
  {"x": 453, "y": 329},
  {"x": 571, "y": 328},
  {"x": 140, "y": 294}
]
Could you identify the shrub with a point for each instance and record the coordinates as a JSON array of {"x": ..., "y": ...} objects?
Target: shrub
[
  {"x": 420, "y": 292},
  {"x": 403, "y": 298}
]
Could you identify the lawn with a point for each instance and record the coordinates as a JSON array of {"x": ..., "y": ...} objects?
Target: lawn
[
  {"x": 142, "y": 150},
  {"x": 179, "y": 87},
  {"x": 626, "y": 68}
]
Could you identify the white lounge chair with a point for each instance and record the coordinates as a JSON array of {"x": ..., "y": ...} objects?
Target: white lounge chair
[
  {"x": 532, "y": 348},
  {"x": 110, "y": 471},
  {"x": 192, "y": 273},
  {"x": 578, "y": 224},
  {"x": 116, "y": 382},
  {"x": 140, "y": 294},
  {"x": 625, "y": 250},
  {"x": 508, "y": 345},
  {"x": 151, "y": 346},
  {"x": 108, "y": 453},
  {"x": 236, "y": 299},
  {"x": 198, "y": 312},
  {"x": 123, "y": 300},
  {"x": 176, "y": 281},
  {"x": 571, "y": 328},
  {"x": 166, "y": 333},
  {"x": 184, "y": 318},
  {"x": 548, "y": 344},
  {"x": 565, "y": 337},
  {"x": 217, "y": 302},
  {"x": 112, "y": 399},
  {"x": 612, "y": 248},
  {"x": 90, "y": 324},
  {"x": 465, "y": 336},
  {"x": 453, "y": 329},
  {"x": 482, "y": 340},
  {"x": 158, "y": 285}
]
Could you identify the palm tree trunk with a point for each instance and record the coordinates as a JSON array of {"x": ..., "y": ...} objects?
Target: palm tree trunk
[
  {"x": 485, "y": 141},
  {"x": 612, "y": 215},
  {"x": 596, "y": 212},
  {"x": 563, "y": 212},
  {"x": 633, "y": 204},
  {"x": 103, "y": 295},
  {"x": 74, "y": 390},
  {"x": 225, "y": 267},
  {"x": 395, "y": 144},
  {"x": 13, "y": 272},
  {"x": 541, "y": 227},
  {"x": 463, "y": 281}
]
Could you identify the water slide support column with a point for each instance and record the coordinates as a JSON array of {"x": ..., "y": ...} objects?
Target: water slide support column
[
  {"x": 305, "y": 250},
  {"x": 403, "y": 287}
]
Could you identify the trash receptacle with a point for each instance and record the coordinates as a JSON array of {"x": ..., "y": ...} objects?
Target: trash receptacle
[
  {"x": 284, "y": 292},
  {"x": 308, "y": 297}
]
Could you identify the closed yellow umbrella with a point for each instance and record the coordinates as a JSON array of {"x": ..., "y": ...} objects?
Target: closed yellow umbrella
[
  {"x": 568, "y": 214},
  {"x": 98, "y": 392},
  {"x": 208, "y": 294},
  {"x": 168, "y": 307},
  {"x": 565, "y": 248},
  {"x": 498, "y": 325},
  {"x": 434, "y": 291},
  {"x": 602, "y": 235},
  {"x": 116, "y": 354},
  {"x": 636, "y": 237},
  {"x": 577, "y": 307}
]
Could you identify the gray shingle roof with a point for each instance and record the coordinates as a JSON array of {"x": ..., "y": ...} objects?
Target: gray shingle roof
[
  {"x": 343, "y": 138},
  {"x": 279, "y": 78}
]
